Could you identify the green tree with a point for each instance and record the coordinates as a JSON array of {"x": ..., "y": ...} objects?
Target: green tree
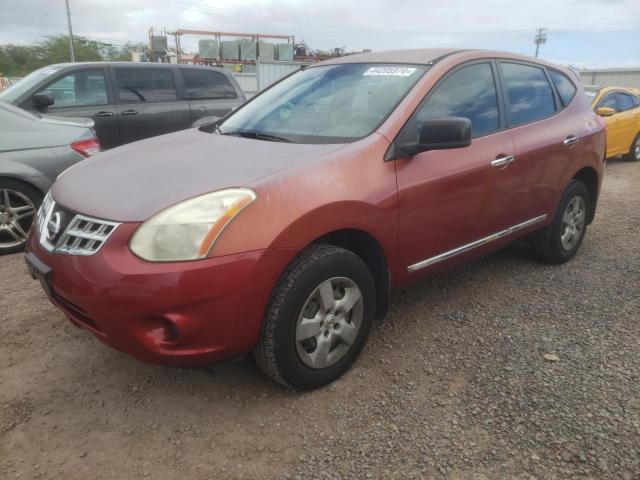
[{"x": 20, "y": 60}]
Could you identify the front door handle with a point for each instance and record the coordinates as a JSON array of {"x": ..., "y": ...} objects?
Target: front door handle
[
  {"x": 502, "y": 161},
  {"x": 103, "y": 114},
  {"x": 129, "y": 112},
  {"x": 570, "y": 140}
]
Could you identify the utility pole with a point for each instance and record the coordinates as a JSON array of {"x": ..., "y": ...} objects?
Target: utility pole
[
  {"x": 72, "y": 51},
  {"x": 541, "y": 37}
]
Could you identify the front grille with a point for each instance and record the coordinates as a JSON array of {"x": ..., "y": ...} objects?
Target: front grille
[{"x": 62, "y": 231}]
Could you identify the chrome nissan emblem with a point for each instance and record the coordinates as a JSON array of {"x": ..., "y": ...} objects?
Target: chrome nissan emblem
[{"x": 53, "y": 227}]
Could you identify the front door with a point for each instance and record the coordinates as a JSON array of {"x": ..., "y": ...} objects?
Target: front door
[
  {"x": 615, "y": 128},
  {"x": 210, "y": 94},
  {"x": 85, "y": 93},
  {"x": 452, "y": 200},
  {"x": 148, "y": 104},
  {"x": 628, "y": 115}
]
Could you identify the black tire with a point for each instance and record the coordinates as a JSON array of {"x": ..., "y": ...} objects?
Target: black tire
[
  {"x": 634, "y": 154},
  {"x": 33, "y": 195},
  {"x": 546, "y": 245},
  {"x": 276, "y": 352}
]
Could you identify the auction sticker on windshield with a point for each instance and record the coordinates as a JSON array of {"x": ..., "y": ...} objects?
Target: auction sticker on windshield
[{"x": 385, "y": 71}]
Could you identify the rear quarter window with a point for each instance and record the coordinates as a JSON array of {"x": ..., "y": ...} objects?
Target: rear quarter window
[
  {"x": 565, "y": 87},
  {"x": 529, "y": 94}
]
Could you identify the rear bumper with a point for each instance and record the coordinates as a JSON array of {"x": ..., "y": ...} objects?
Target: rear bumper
[{"x": 177, "y": 314}]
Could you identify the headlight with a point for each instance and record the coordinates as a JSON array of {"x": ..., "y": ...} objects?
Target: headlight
[{"x": 188, "y": 230}]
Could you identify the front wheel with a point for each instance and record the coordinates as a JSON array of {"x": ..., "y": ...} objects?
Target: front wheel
[
  {"x": 318, "y": 319},
  {"x": 559, "y": 242}
]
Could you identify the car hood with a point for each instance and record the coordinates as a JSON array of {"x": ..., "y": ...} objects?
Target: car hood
[{"x": 133, "y": 182}]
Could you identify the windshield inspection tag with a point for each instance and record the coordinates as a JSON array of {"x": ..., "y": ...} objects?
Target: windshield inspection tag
[{"x": 385, "y": 71}]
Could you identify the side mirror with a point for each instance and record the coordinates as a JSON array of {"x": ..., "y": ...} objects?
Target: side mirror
[
  {"x": 605, "y": 111},
  {"x": 42, "y": 100},
  {"x": 439, "y": 134}
]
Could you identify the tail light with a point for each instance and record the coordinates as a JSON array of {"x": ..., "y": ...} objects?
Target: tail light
[{"x": 86, "y": 148}]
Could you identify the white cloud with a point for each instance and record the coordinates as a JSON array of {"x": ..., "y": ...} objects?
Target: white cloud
[{"x": 376, "y": 24}]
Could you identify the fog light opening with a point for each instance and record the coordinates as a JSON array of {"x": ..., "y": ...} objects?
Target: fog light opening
[{"x": 170, "y": 330}]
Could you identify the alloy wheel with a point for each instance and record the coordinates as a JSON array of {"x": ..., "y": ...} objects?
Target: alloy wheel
[
  {"x": 573, "y": 222},
  {"x": 329, "y": 322},
  {"x": 17, "y": 212},
  {"x": 636, "y": 149}
]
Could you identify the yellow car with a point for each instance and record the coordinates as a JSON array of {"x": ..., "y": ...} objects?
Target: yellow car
[{"x": 620, "y": 108}]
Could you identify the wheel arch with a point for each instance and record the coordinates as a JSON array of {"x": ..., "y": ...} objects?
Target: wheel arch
[
  {"x": 589, "y": 177},
  {"x": 369, "y": 249},
  {"x": 24, "y": 181}
]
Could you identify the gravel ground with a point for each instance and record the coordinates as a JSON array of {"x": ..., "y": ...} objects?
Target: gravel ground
[{"x": 504, "y": 369}]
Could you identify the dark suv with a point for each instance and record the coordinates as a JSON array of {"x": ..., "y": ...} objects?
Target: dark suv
[{"x": 129, "y": 101}]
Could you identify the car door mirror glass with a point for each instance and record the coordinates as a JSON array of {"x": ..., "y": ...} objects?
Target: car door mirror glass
[
  {"x": 42, "y": 100},
  {"x": 605, "y": 111}
]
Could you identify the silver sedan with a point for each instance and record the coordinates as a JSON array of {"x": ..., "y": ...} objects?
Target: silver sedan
[{"x": 34, "y": 150}]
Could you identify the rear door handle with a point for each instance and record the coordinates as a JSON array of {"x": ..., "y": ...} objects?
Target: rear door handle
[
  {"x": 570, "y": 140},
  {"x": 129, "y": 112},
  {"x": 103, "y": 114},
  {"x": 502, "y": 161}
]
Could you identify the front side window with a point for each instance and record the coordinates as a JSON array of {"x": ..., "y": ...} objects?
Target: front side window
[
  {"x": 20, "y": 88},
  {"x": 79, "y": 89},
  {"x": 137, "y": 85},
  {"x": 609, "y": 101},
  {"x": 566, "y": 88},
  {"x": 326, "y": 104},
  {"x": 624, "y": 102},
  {"x": 206, "y": 84},
  {"x": 469, "y": 92},
  {"x": 529, "y": 93}
]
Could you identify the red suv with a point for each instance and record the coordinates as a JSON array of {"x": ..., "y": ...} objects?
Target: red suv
[{"x": 282, "y": 228}]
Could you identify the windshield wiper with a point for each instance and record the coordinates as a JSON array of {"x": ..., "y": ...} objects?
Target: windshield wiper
[{"x": 258, "y": 136}]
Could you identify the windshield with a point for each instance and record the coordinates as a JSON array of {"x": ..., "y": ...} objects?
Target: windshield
[
  {"x": 14, "y": 92},
  {"x": 330, "y": 104}
]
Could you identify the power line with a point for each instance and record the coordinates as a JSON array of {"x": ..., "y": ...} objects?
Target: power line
[{"x": 541, "y": 37}]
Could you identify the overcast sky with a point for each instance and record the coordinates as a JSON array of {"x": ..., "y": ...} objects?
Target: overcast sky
[{"x": 584, "y": 33}]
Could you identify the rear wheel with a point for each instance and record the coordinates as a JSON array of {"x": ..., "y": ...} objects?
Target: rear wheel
[
  {"x": 318, "y": 318},
  {"x": 634, "y": 151},
  {"x": 18, "y": 205},
  {"x": 560, "y": 241}
]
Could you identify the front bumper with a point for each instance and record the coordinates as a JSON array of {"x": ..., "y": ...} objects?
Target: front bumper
[{"x": 177, "y": 314}]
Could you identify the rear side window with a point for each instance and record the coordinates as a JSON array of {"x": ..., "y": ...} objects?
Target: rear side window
[
  {"x": 469, "y": 92},
  {"x": 635, "y": 100},
  {"x": 566, "y": 88},
  {"x": 136, "y": 85},
  {"x": 624, "y": 101},
  {"x": 529, "y": 93},
  {"x": 79, "y": 89},
  {"x": 206, "y": 84}
]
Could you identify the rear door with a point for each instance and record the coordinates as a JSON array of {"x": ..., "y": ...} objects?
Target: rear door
[
  {"x": 209, "y": 92},
  {"x": 148, "y": 103},
  {"x": 85, "y": 93},
  {"x": 546, "y": 142}
]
